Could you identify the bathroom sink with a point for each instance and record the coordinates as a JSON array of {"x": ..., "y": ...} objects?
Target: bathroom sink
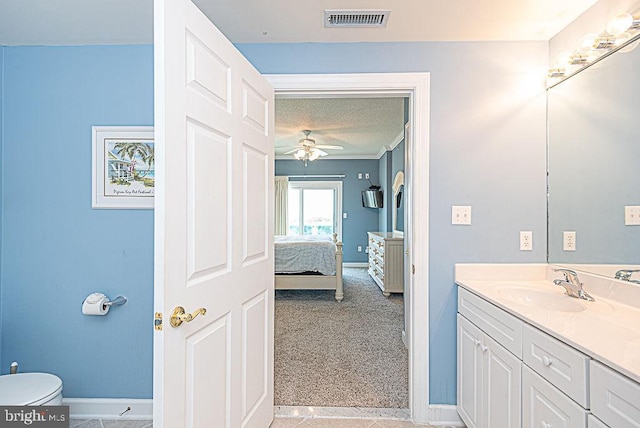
[{"x": 541, "y": 299}]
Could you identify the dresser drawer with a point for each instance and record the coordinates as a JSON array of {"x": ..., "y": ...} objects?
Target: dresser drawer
[
  {"x": 504, "y": 328},
  {"x": 545, "y": 406},
  {"x": 615, "y": 399},
  {"x": 557, "y": 362}
]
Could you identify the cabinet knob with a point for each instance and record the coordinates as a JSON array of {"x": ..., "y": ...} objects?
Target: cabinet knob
[
  {"x": 543, "y": 424},
  {"x": 546, "y": 361},
  {"x": 477, "y": 342},
  {"x": 483, "y": 348}
]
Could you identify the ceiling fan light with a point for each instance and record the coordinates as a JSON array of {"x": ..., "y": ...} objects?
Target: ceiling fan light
[
  {"x": 314, "y": 155},
  {"x": 299, "y": 154}
]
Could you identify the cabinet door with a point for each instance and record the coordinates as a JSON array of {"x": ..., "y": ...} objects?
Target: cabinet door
[
  {"x": 545, "y": 406},
  {"x": 502, "y": 382},
  {"x": 469, "y": 373}
]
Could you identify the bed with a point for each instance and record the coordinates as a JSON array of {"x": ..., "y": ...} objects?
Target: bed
[{"x": 308, "y": 263}]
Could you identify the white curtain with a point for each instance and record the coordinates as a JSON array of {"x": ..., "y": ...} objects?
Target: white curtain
[{"x": 282, "y": 190}]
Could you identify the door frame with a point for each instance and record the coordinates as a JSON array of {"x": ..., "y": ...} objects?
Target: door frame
[{"x": 416, "y": 87}]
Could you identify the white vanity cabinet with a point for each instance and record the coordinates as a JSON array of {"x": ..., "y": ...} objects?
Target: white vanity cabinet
[
  {"x": 489, "y": 375},
  {"x": 512, "y": 374},
  {"x": 386, "y": 261}
]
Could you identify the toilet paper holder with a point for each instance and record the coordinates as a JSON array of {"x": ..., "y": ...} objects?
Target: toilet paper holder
[
  {"x": 119, "y": 300},
  {"x": 99, "y": 304}
]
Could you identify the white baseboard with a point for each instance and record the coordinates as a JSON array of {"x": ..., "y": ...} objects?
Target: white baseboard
[
  {"x": 444, "y": 415},
  {"x": 355, "y": 264},
  {"x": 109, "y": 408}
]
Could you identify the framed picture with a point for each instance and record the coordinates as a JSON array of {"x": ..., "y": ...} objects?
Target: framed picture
[{"x": 123, "y": 167}]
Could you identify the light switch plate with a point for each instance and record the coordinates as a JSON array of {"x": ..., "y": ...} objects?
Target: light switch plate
[
  {"x": 632, "y": 215},
  {"x": 461, "y": 215}
]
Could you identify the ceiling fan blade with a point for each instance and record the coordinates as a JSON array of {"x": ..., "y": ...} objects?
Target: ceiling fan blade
[
  {"x": 328, "y": 147},
  {"x": 292, "y": 151}
]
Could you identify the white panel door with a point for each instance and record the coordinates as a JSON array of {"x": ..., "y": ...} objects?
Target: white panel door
[{"x": 213, "y": 227}]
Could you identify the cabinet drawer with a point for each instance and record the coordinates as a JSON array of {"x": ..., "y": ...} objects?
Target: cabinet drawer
[
  {"x": 504, "y": 328},
  {"x": 557, "y": 362},
  {"x": 545, "y": 406},
  {"x": 615, "y": 399}
]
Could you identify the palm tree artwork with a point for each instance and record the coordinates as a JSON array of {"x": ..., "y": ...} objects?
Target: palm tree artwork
[{"x": 135, "y": 151}]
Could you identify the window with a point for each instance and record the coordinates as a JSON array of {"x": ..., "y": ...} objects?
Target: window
[{"x": 315, "y": 207}]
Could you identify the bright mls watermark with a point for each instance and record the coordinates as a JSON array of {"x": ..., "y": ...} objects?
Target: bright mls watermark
[{"x": 34, "y": 416}]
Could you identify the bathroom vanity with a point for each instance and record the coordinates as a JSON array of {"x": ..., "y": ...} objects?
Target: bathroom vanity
[{"x": 530, "y": 356}]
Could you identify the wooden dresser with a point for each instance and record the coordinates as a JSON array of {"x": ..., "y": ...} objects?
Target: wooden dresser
[{"x": 386, "y": 261}]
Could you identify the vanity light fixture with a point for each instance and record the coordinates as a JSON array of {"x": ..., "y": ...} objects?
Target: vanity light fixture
[{"x": 592, "y": 47}]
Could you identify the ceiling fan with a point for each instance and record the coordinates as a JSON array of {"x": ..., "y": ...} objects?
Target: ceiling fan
[{"x": 307, "y": 149}]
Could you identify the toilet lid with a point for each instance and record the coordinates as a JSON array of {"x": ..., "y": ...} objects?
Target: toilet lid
[{"x": 23, "y": 389}]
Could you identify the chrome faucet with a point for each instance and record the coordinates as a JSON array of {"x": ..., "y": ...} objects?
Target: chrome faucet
[
  {"x": 572, "y": 285},
  {"x": 625, "y": 275}
]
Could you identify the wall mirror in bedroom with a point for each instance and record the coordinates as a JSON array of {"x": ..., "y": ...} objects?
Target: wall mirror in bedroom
[{"x": 362, "y": 144}]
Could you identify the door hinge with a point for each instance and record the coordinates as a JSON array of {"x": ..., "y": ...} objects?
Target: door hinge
[
  {"x": 157, "y": 321},
  {"x": 413, "y": 269}
]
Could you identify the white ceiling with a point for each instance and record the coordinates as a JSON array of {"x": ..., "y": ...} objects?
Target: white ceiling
[
  {"x": 363, "y": 126},
  {"x": 71, "y": 22}
]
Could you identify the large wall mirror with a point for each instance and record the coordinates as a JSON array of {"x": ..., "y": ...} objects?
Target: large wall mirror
[{"x": 594, "y": 165}]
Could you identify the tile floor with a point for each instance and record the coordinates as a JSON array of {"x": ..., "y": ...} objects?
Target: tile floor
[
  {"x": 95, "y": 423},
  {"x": 279, "y": 422},
  {"x": 286, "y": 422}
]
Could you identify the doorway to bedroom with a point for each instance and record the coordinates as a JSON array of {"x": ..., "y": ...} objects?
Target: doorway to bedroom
[
  {"x": 346, "y": 327},
  {"x": 347, "y": 354}
]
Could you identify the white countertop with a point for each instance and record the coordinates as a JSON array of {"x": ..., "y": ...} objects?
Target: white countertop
[{"x": 608, "y": 330}]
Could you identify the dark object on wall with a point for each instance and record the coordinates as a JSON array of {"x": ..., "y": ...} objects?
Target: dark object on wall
[{"x": 372, "y": 198}]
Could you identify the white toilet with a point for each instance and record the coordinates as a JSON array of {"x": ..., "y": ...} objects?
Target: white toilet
[{"x": 30, "y": 389}]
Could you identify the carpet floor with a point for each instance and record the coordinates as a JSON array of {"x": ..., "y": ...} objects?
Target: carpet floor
[{"x": 347, "y": 354}]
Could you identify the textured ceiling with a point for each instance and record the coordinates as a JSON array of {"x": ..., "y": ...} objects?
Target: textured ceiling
[
  {"x": 76, "y": 22},
  {"x": 363, "y": 126}
]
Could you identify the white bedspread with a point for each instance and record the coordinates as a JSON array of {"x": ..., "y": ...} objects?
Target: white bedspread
[{"x": 296, "y": 254}]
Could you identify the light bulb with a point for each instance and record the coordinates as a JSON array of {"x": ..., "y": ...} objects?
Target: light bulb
[
  {"x": 564, "y": 59},
  {"x": 314, "y": 155},
  {"x": 620, "y": 24},
  {"x": 556, "y": 72},
  {"x": 587, "y": 42}
]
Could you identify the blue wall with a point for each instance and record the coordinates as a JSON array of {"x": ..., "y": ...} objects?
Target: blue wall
[
  {"x": 57, "y": 249},
  {"x": 359, "y": 220},
  {"x": 487, "y": 150}
]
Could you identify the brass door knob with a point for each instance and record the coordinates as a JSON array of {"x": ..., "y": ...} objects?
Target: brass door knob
[{"x": 179, "y": 316}]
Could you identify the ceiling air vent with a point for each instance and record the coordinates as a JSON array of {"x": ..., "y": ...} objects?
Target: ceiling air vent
[{"x": 356, "y": 18}]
